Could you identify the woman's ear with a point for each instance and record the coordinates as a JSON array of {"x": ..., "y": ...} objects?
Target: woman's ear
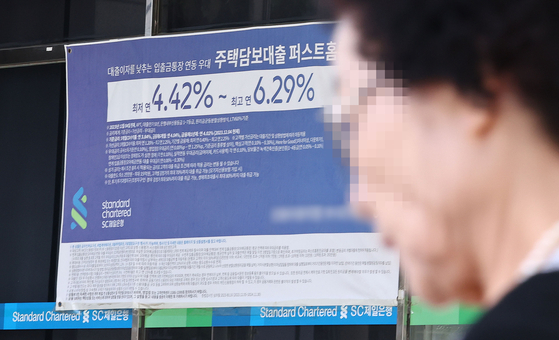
[
  {"x": 468, "y": 115},
  {"x": 490, "y": 104}
]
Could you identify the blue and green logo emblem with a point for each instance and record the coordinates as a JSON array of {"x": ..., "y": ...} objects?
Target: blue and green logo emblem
[{"x": 79, "y": 212}]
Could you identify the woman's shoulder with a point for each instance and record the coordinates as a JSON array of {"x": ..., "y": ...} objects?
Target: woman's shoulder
[{"x": 530, "y": 311}]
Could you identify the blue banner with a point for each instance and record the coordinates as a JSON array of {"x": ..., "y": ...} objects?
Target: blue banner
[{"x": 199, "y": 174}]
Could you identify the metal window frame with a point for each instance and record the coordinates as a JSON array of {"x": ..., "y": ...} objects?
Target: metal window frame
[{"x": 32, "y": 55}]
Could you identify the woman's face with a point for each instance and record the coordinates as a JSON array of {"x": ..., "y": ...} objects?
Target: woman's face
[{"x": 413, "y": 156}]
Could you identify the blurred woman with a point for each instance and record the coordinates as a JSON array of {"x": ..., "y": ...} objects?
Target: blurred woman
[{"x": 450, "y": 119}]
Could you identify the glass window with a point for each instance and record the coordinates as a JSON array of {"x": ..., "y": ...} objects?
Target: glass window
[
  {"x": 434, "y": 332},
  {"x": 23, "y": 335},
  {"x": 193, "y": 333},
  {"x": 293, "y": 10},
  {"x": 184, "y": 15},
  {"x": 30, "y": 134},
  {"x": 275, "y": 333},
  {"x": 37, "y": 22},
  {"x": 103, "y": 19},
  {"x": 31, "y": 22},
  {"x": 91, "y": 334}
]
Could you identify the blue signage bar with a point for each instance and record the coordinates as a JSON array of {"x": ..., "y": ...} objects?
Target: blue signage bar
[
  {"x": 26, "y": 316},
  {"x": 323, "y": 315},
  {"x": 304, "y": 315},
  {"x": 19, "y": 316}
]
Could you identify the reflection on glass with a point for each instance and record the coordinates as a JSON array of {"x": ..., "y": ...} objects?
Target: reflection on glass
[
  {"x": 293, "y": 10},
  {"x": 37, "y": 22},
  {"x": 444, "y": 332},
  {"x": 376, "y": 332},
  {"x": 31, "y": 22},
  {"x": 185, "y": 15},
  {"x": 177, "y": 15},
  {"x": 103, "y": 19}
]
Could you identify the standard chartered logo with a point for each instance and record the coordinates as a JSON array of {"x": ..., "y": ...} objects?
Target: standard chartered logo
[
  {"x": 115, "y": 213},
  {"x": 343, "y": 312},
  {"x": 79, "y": 212}
]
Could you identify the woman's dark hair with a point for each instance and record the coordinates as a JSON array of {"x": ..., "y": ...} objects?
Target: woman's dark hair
[{"x": 465, "y": 42}]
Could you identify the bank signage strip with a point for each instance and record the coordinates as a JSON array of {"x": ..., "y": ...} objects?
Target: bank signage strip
[
  {"x": 323, "y": 315},
  {"x": 25, "y": 316},
  {"x": 19, "y": 316}
]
